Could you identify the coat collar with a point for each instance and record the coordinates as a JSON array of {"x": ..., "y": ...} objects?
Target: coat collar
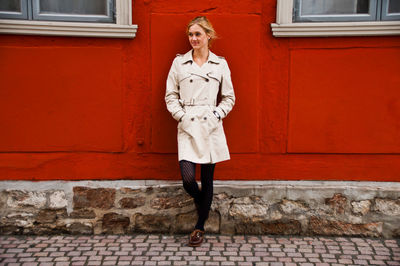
[{"x": 213, "y": 58}]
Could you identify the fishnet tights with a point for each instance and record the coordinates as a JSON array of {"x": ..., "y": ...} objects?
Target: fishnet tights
[{"x": 203, "y": 198}]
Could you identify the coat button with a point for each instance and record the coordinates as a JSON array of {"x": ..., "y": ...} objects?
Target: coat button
[
  {"x": 207, "y": 80},
  {"x": 205, "y": 118},
  {"x": 192, "y": 119},
  {"x": 191, "y": 80}
]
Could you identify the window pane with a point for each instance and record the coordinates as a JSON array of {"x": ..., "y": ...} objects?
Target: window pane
[
  {"x": 79, "y": 7},
  {"x": 335, "y": 10},
  {"x": 10, "y": 5},
  {"x": 332, "y": 7},
  {"x": 390, "y": 9},
  {"x": 100, "y": 11},
  {"x": 394, "y": 6}
]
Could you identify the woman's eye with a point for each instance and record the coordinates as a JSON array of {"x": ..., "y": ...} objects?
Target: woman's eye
[{"x": 198, "y": 34}]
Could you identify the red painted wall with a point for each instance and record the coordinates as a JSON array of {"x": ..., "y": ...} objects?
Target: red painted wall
[{"x": 93, "y": 108}]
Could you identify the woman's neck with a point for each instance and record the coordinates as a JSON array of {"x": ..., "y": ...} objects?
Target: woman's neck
[{"x": 200, "y": 56}]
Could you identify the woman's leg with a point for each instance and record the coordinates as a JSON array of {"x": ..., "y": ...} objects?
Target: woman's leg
[
  {"x": 188, "y": 173},
  {"x": 207, "y": 175}
]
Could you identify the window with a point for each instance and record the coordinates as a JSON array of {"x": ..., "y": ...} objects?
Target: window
[
  {"x": 79, "y": 10},
  {"x": 95, "y": 18},
  {"x": 337, "y": 18},
  {"x": 346, "y": 10},
  {"x": 337, "y": 10}
]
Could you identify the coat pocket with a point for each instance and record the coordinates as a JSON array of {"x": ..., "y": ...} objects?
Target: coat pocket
[
  {"x": 186, "y": 124},
  {"x": 212, "y": 122}
]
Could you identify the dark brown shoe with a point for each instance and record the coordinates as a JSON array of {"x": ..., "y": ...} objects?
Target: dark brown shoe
[{"x": 196, "y": 238}]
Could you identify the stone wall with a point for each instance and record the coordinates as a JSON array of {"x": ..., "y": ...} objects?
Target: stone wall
[{"x": 239, "y": 207}]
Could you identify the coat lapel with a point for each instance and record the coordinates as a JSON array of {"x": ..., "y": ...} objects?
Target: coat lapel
[{"x": 206, "y": 70}]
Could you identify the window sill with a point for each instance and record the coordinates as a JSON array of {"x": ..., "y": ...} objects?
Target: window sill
[
  {"x": 25, "y": 27},
  {"x": 325, "y": 29}
]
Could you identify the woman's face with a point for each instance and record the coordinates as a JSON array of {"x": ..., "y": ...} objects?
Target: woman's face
[{"x": 197, "y": 37}]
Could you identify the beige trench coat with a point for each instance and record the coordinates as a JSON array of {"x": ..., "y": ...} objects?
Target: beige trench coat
[{"x": 191, "y": 98}]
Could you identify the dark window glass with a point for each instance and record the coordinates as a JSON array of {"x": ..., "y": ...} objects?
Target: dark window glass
[
  {"x": 74, "y": 7},
  {"x": 394, "y": 6},
  {"x": 10, "y": 5},
  {"x": 334, "y": 7}
]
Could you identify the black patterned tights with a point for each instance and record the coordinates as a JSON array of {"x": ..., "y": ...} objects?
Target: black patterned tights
[{"x": 202, "y": 197}]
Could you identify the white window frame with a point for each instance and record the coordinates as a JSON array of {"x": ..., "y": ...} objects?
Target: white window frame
[
  {"x": 123, "y": 27},
  {"x": 285, "y": 27}
]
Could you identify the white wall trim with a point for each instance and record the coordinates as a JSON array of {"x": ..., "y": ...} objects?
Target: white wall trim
[
  {"x": 140, "y": 183},
  {"x": 284, "y": 12},
  {"x": 123, "y": 27},
  {"x": 124, "y": 12},
  {"x": 336, "y": 29},
  {"x": 284, "y": 27}
]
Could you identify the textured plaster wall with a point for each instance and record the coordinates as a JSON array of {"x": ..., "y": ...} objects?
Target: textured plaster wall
[{"x": 75, "y": 108}]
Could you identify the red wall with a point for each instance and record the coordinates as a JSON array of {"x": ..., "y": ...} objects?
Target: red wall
[{"x": 93, "y": 108}]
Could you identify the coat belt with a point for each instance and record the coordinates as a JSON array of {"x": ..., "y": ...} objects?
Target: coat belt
[{"x": 194, "y": 102}]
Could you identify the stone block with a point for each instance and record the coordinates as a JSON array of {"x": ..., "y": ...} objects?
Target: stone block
[
  {"x": 19, "y": 219},
  {"x": 221, "y": 196},
  {"x": 321, "y": 226},
  {"x": 185, "y": 222},
  {"x": 153, "y": 223},
  {"x": 114, "y": 223},
  {"x": 57, "y": 200},
  {"x": 48, "y": 216},
  {"x": 101, "y": 198},
  {"x": 127, "y": 190},
  {"x": 131, "y": 203},
  {"x": 280, "y": 227},
  {"x": 3, "y": 200},
  {"x": 79, "y": 228},
  {"x": 338, "y": 203},
  {"x": 82, "y": 214},
  {"x": 252, "y": 208},
  {"x": 361, "y": 207},
  {"x": 293, "y": 207},
  {"x": 10, "y": 230},
  {"x": 22, "y": 198},
  {"x": 387, "y": 206},
  {"x": 45, "y": 229},
  {"x": 176, "y": 201},
  {"x": 248, "y": 211},
  {"x": 396, "y": 233}
]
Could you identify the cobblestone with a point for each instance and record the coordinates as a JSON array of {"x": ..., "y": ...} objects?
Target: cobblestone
[{"x": 153, "y": 249}]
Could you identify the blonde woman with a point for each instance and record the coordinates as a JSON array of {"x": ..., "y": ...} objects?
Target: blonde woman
[{"x": 193, "y": 83}]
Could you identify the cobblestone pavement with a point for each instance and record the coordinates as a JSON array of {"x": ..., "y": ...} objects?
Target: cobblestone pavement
[{"x": 143, "y": 249}]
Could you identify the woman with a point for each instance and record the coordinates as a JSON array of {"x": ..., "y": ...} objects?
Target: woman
[{"x": 193, "y": 83}]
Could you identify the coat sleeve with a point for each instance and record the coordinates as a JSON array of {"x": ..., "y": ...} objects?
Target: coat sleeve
[
  {"x": 227, "y": 93},
  {"x": 172, "y": 93}
]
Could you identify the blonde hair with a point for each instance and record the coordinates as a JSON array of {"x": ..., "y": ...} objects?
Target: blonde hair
[{"x": 206, "y": 25}]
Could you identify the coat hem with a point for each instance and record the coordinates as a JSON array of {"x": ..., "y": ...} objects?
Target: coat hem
[{"x": 203, "y": 162}]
